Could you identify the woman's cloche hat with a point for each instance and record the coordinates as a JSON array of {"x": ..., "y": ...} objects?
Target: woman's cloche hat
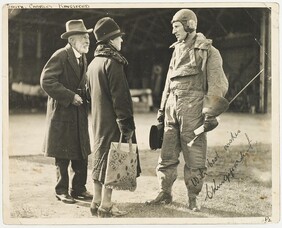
[
  {"x": 75, "y": 27},
  {"x": 105, "y": 29}
]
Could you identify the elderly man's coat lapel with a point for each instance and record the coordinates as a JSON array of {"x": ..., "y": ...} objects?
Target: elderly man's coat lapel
[{"x": 73, "y": 61}]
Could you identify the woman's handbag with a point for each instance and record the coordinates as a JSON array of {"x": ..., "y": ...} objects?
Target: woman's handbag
[{"x": 121, "y": 169}]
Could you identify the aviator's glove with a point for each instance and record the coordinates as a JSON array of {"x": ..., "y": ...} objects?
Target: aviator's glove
[
  {"x": 160, "y": 116},
  {"x": 210, "y": 123}
]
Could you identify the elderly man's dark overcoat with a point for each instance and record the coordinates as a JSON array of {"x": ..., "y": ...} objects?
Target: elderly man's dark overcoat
[{"x": 67, "y": 134}]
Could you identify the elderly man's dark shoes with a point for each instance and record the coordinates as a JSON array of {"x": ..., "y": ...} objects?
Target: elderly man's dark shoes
[
  {"x": 82, "y": 196},
  {"x": 65, "y": 198}
]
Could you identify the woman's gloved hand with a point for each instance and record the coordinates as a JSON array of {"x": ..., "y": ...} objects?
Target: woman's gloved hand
[{"x": 128, "y": 134}]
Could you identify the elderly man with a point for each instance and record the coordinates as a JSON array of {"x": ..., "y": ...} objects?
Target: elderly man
[
  {"x": 67, "y": 140},
  {"x": 195, "y": 78}
]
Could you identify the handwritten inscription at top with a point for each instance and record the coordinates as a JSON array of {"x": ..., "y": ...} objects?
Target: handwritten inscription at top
[
  {"x": 73, "y": 6},
  {"x": 30, "y": 6},
  {"x": 16, "y": 6},
  {"x": 39, "y": 6},
  {"x": 48, "y": 6}
]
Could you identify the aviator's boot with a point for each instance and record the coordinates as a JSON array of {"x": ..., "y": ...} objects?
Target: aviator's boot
[
  {"x": 193, "y": 204},
  {"x": 162, "y": 198}
]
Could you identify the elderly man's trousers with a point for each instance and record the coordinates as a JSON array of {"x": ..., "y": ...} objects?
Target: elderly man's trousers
[{"x": 78, "y": 177}]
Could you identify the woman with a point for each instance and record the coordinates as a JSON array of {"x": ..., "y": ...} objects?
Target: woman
[{"x": 111, "y": 107}]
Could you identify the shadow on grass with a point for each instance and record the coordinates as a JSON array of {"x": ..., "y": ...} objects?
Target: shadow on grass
[
  {"x": 83, "y": 203},
  {"x": 174, "y": 210},
  {"x": 141, "y": 210}
]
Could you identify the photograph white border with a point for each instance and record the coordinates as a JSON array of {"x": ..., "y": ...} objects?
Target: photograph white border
[{"x": 275, "y": 68}]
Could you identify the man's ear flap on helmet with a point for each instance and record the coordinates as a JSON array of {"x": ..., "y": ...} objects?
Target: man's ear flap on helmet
[{"x": 192, "y": 24}]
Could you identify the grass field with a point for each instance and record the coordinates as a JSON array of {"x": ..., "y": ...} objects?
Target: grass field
[{"x": 246, "y": 194}]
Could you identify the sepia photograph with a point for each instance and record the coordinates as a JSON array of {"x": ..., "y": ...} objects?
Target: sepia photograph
[{"x": 140, "y": 113}]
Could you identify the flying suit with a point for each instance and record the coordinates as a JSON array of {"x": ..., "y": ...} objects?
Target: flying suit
[{"x": 195, "y": 70}]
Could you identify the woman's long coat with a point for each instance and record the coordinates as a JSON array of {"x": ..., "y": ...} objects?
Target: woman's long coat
[
  {"x": 111, "y": 105},
  {"x": 67, "y": 134}
]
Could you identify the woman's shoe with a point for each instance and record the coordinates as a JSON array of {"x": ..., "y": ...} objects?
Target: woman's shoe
[
  {"x": 94, "y": 208},
  {"x": 113, "y": 211}
]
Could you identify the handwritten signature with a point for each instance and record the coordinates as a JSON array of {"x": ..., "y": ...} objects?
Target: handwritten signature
[
  {"x": 211, "y": 190},
  {"x": 232, "y": 139},
  {"x": 210, "y": 163},
  {"x": 202, "y": 172}
]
